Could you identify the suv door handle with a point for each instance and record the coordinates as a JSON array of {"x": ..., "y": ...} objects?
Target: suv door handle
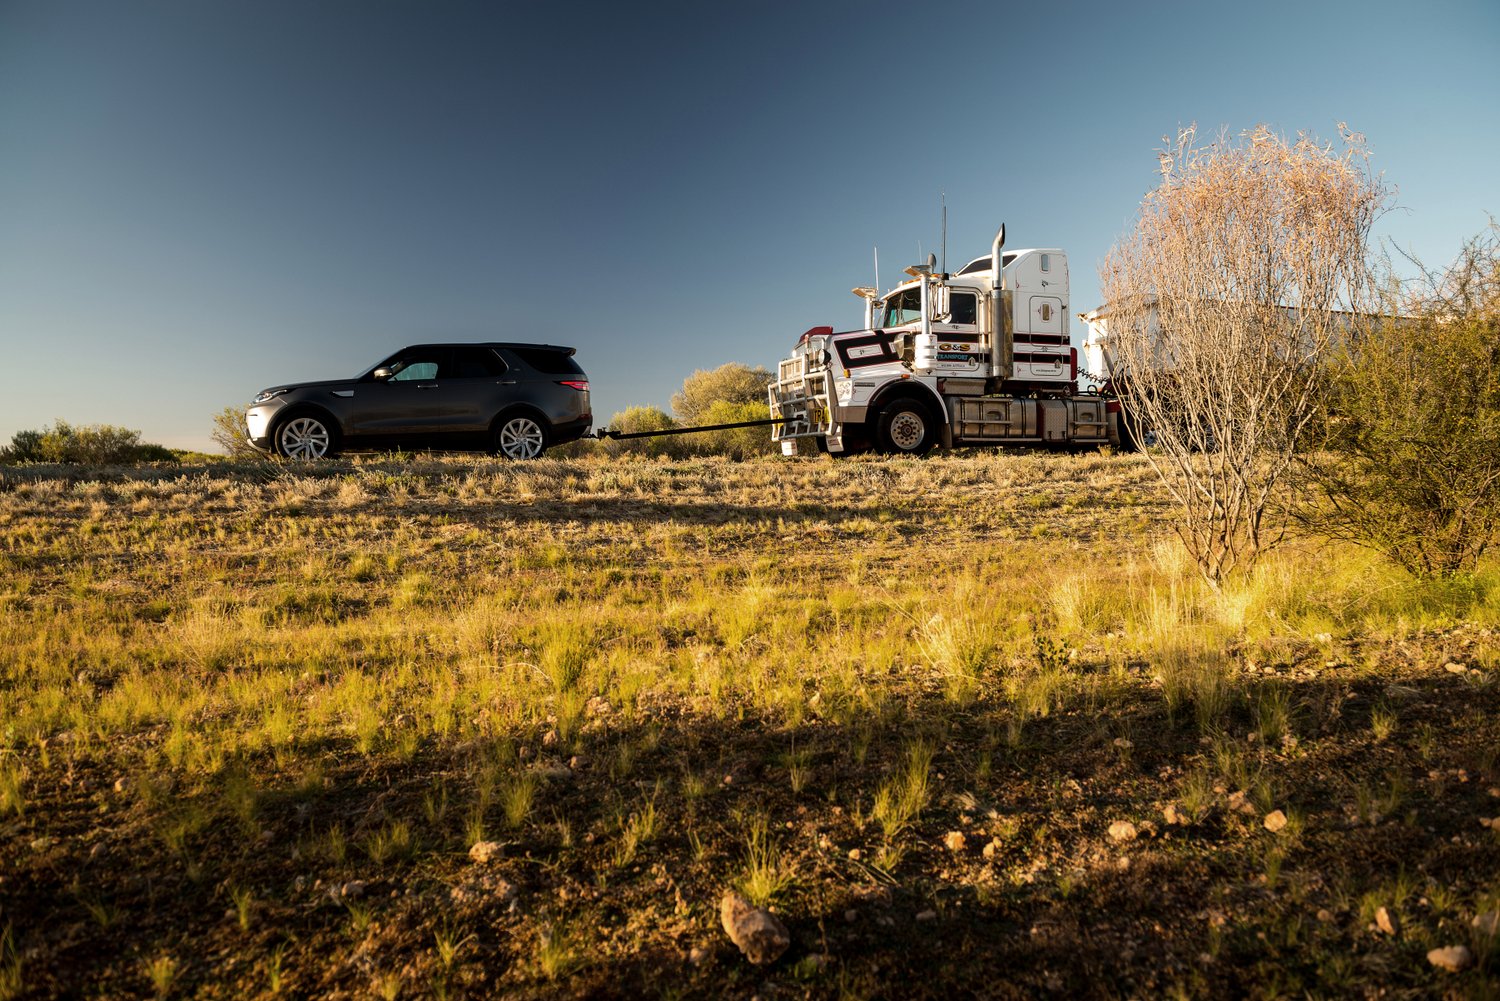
[
  {"x": 427, "y": 385},
  {"x": 506, "y": 382}
]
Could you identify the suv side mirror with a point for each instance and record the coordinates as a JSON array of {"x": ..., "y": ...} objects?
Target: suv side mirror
[{"x": 381, "y": 374}]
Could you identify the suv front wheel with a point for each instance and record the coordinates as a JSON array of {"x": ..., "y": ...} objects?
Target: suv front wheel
[
  {"x": 306, "y": 436},
  {"x": 520, "y": 437}
]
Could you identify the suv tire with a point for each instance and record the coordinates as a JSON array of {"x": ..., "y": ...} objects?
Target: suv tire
[
  {"x": 519, "y": 436},
  {"x": 305, "y": 436}
]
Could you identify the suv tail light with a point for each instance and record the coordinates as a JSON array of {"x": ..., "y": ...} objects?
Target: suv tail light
[{"x": 582, "y": 385}]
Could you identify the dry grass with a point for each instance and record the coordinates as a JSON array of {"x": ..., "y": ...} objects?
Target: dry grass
[{"x": 656, "y": 680}]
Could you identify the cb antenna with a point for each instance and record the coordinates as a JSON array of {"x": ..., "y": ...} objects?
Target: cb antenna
[
  {"x": 877, "y": 269},
  {"x": 944, "y": 196}
]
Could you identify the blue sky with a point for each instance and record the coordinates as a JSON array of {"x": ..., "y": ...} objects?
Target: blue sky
[{"x": 200, "y": 199}]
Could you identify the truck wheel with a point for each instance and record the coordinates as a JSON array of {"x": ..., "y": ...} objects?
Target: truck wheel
[
  {"x": 1130, "y": 432},
  {"x": 905, "y": 428}
]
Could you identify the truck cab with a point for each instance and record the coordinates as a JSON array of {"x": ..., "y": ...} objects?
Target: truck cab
[{"x": 980, "y": 356}]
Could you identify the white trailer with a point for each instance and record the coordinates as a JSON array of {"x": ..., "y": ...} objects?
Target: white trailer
[{"x": 982, "y": 356}]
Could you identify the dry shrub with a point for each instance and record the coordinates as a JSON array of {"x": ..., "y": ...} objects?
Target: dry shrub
[{"x": 1244, "y": 269}]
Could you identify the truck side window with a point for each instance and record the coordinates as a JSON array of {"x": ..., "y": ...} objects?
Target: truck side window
[
  {"x": 963, "y": 308},
  {"x": 1046, "y": 262}
]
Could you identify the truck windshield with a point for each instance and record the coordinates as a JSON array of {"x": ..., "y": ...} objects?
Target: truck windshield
[{"x": 902, "y": 307}]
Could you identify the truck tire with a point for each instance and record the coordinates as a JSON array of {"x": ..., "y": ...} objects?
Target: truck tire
[
  {"x": 1130, "y": 432},
  {"x": 906, "y": 428}
]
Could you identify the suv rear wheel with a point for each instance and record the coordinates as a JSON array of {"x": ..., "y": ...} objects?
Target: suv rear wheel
[{"x": 520, "y": 437}]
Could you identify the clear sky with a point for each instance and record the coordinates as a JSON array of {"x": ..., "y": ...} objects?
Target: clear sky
[{"x": 202, "y": 198}]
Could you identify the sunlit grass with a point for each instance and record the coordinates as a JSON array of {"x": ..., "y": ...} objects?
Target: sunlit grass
[{"x": 559, "y": 648}]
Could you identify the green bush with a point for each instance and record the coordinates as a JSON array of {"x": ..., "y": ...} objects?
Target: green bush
[
  {"x": 737, "y": 443},
  {"x": 1412, "y": 467},
  {"x": 230, "y": 434},
  {"x": 85, "y": 444},
  {"x": 730, "y": 383},
  {"x": 633, "y": 419}
]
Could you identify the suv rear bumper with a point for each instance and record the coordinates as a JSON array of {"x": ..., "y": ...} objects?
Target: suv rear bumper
[{"x": 572, "y": 430}]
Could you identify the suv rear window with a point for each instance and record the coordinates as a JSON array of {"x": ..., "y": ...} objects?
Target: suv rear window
[{"x": 549, "y": 362}]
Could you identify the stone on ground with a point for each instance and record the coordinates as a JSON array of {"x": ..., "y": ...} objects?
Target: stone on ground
[{"x": 759, "y": 934}]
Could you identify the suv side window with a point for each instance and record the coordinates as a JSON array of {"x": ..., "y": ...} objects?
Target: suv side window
[
  {"x": 549, "y": 362},
  {"x": 475, "y": 363},
  {"x": 418, "y": 366}
]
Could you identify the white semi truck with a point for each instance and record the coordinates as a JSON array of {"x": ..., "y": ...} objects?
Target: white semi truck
[{"x": 978, "y": 357}]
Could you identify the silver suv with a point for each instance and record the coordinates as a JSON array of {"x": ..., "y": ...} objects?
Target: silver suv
[{"x": 514, "y": 399}]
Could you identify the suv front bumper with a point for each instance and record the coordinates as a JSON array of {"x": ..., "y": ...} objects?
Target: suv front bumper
[{"x": 258, "y": 420}]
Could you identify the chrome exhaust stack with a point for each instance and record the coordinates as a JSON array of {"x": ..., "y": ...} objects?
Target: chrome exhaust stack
[{"x": 1001, "y": 353}]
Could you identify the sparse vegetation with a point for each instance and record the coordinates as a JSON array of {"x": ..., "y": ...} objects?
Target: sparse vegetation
[
  {"x": 251, "y": 726},
  {"x": 1412, "y": 468}
]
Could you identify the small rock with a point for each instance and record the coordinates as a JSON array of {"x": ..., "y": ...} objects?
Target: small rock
[
  {"x": 954, "y": 841},
  {"x": 854, "y": 854},
  {"x": 1453, "y": 668},
  {"x": 992, "y": 848},
  {"x": 1275, "y": 821},
  {"x": 1172, "y": 816},
  {"x": 1387, "y": 922},
  {"x": 486, "y": 851},
  {"x": 1485, "y": 822},
  {"x": 1240, "y": 803},
  {"x": 1122, "y": 830},
  {"x": 1325, "y": 916},
  {"x": 696, "y": 956},
  {"x": 1453, "y": 958},
  {"x": 757, "y": 932},
  {"x": 352, "y": 890},
  {"x": 927, "y": 915},
  {"x": 122, "y": 784},
  {"x": 549, "y": 739},
  {"x": 1495, "y": 792},
  {"x": 577, "y": 761},
  {"x": 1323, "y": 638},
  {"x": 1487, "y": 923}
]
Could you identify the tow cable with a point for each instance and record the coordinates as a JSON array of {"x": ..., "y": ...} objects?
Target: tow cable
[{"x": 623, "y": 435}]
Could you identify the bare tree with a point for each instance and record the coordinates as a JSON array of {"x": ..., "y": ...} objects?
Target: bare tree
[{"x": 1247, "y": 263}]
